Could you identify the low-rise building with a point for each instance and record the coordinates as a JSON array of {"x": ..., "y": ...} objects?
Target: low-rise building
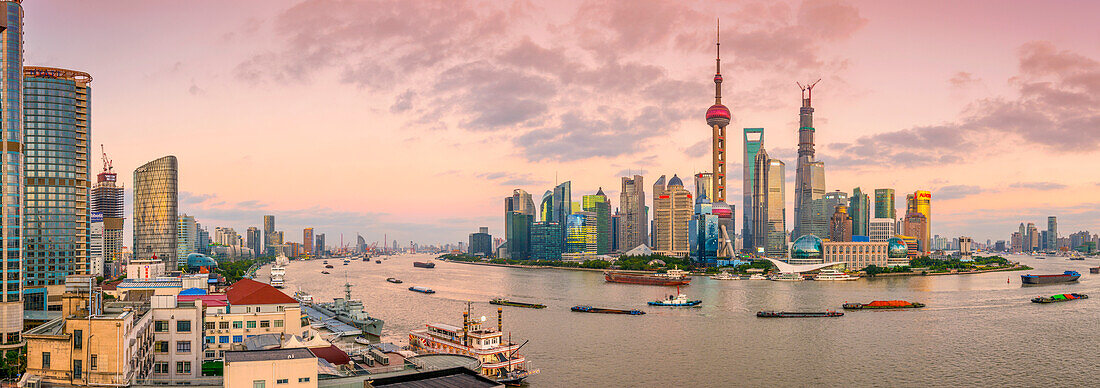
[
  {"x": 251, "y": 308},
  {"x": 275, "y": 368},
  {"x": 856, "y": 255},
  {"x": 177, "y": 336}
]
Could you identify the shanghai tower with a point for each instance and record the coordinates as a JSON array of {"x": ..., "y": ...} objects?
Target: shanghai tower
[{"x": 810, "y": 174}]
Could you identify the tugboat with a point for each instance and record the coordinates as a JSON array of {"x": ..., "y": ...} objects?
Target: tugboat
[
  {"x": 799, "y": 314},
  {"x": 499, "y": 356},
  {"x": 674, "y": 277},
  {"x": 679, "y": 300},
  {"x": 725, "y": 276},
  {"x": 1065, "y": 277},
  {"x": 506, "y": 302},
  {"x": 883, "y": 305},
  {"x": 598, "y": 310},
  {"x": 394, "y": 280},
  {"x": 1059, "y": 298},
  {"x": 423, "y": 264},
  {"x": 350, "y": 311}
]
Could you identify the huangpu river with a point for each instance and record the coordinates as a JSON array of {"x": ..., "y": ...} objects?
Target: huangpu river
[{"x": 978, "y": 330}]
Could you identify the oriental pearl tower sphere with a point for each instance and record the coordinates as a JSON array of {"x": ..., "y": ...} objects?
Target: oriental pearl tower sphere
[{"x": 718, "y": 117}]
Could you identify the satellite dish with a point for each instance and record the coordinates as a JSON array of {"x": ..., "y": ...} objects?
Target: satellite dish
[{"x": 483, "y": 318}]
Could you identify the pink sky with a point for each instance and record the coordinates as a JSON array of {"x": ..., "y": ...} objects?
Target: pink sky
[{"x": 416, "y": 118}]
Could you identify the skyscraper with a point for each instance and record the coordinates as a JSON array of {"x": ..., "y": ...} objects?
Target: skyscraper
[
  {"x": 672, "y": 211},
  {"x": 658, "y": 190},
  {"x": 307, "y": 242},
  {"x": 269, "y": 236},
  {"x": 915, "y": 226},
  {"x": 704, "y": 186},
  {"x": 756, "y": 217},
  {"x": 55, "y": 145},
  {"x": 187, "y": 236},
  {"x": 11, "y": 236},
  {"x": 319, "y": 244},
  {"x": 1052, "y": 233},
  {"x": 921, "y": 202},
  {"x": 775, "y": 205},
  {"x": 519, "y": 212},
  {"x": 599, "y": 204},
  {"x": 634, "y": 222},
  {"x": 580, "y": 236},
  {"x": 884, "y": 204},
  {"x": 253, "y": 240},
  {"x": 809, "y": 174},
  {"x": 481, "y": 243},
  {"x": 546, "y": 241},
  {"x": 840, "y": 225},
  {"x": 546, "y": 207},
  {"x": 882, "y": 229},
  {"x": 859, "y": 208},
  {"x": 107, "y": 200},
  {"x": 754, "y": 144},
  {"x": 156, "y": 200},
  {"x": 563, "y": 205}
]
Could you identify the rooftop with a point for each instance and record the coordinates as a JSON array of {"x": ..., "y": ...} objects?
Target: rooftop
[
  {"x": 267, "y": 355},
  {"x": 248, "y": 291}
]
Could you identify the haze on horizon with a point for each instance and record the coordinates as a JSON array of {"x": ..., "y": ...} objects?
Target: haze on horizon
[{"x": 416, "y": 118}]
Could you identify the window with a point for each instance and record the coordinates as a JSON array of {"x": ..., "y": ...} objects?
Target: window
[
  {"x": 223, "y": 325},
  {"x": 209, "y": 326},
  {"x": 265, "y": 323},
  {"x": 258, "y": 383},
  {"x": 183, "y": 367},
  {"x": 183, "y": 346},
  {"x": 303, "y": 379},
  {"x": 211, "y": 339},
  {"x": 237, "y": 339},
  {"x": 238, "y": 324},
  {"x": 223, "y": 339},
  {"x": 45, "y": 360},
  {"x": 78, "y": 339},
  {"x": 160, "y": 326},
  {"x": 160, "y": 367},
  {"x": 77, "y": 369},
  {"x": 93, "y": 362},
  {"x": 160, "y": 346},
  {"x": 282, "y": 381},
  {"x": 251, "y": 324},
  {"x": 183, "y": 326},
  {"x": 210, "y": 354},
  {"x": 278, "y": 323}
]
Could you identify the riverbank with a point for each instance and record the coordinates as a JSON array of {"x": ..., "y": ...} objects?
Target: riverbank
[{"x": 1016, "y": 267}]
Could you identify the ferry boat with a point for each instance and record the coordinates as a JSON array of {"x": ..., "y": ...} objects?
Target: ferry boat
[
  {"x": 350, "y": 311},
  {"x": 424, "y": 290},
  {"x": 679, "y": 300},
  {"x": 758, "y": 276},
  {"x": 725, "y": 276},
  {"x": 1059, "y": 298},
  {"x": 506, "y": 302},
  {"x": 674, "y": 277},
  {"x": 1065, "y": 277},
  {"x": 834, "y": 275},
  {"x": 788, "y": 277},
  {"x": 883, "y": 305},
  {"x": 799, "y": 314},
  {"x": 599, "y": 310},
  {"x": 423, "y": 264},
  {"x": 277, "y": 278},
  {"x": 499, "y": 356}
]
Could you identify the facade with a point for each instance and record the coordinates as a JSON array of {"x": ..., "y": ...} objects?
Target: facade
[
  {"x": 546, "y": 240},
  {"x": 187, "y": 236},
  {"x": 634, "y": 219},
  {"x": 107, "y": 200},
  {"x": 916, "y": 226},
  {"x": 921, "y": 202},
  {"x": 754, "y": 144},
  {"x": 11, "y": 230},
  {"x": 809, "y": 174},
  {"x": 96, "y": 262},
  {"x": 295, "y": 367},
  {"x": 249, "y": 308},
  {"x": 857, "y": 255},
  {"x": 881, "y": 229},
  {"x": 671, "y": 214},
  {"x": 156, "y": 200},
  {"x": 599, "y": 204},
  {"x": 775, "y": 243},
  {"x": 177, "y": 339},
  {"x": 307, "y": 242},
  {"x": 840, "y": 225},
  {"x": 580, "y": 236},
  {"x": 859, "y": 208},
  {"x": 884, "y": 204},
  {"x": 55, "y": 216},
  {"x": 481, "y": 243}
]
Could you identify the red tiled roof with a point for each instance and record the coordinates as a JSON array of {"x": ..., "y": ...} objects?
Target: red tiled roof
[
  {"x": 332, "y": 354},
  {"x": 248, "y": 291},
  {"x": 111, "y": 286},
  {"x": 217, "y": 300}
]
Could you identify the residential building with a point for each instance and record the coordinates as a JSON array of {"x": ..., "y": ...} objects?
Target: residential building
[
  {"x": 754, "y": 144},
  {"x": 156, "y": 200},
  {"x": 881, "y": 229},
  {"x": 177, "y": 339},
  {"x": 634, "y": 223},
  {"x": 599, "y": 204},
  {"x": 187, "y": 236},
  {"x": 671, "y": 215},
  {"x": 859, "y": 209},
  {"x": 272, "y": 368},
  {"x": 546, "y": 240},
  {"x": 248, "y": 308},
  {"x": 884, "y": 204},
  {"x": 56, "y": 118},
  {"x": 481, "y": 243}
]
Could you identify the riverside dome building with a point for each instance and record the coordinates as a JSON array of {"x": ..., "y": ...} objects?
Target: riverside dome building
[{"x": 808, "y": 249}]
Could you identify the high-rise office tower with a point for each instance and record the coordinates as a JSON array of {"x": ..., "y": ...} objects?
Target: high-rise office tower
[
  {"x": 519, "y": 212},
  {"x": 859, "y": 208},
  {"x": 253, "y": 240},
  {"x": 580, "y": 235},
  {"x": 55, "y": 168},
  {"x": 187, "y": 237},
  {"x": 915, "y": 225},
  {"x": 1052, "y": 233},
  {"x": 884, "y": 204},
  {"x": 921, "y": 202},
  {"x": 307, "y": 241},
  {"x": 156, "y": 200},
  {"x": 202, "y": 242},
  {"x": 704, "y": 186},
  {"x": 546, "y": 241},
  {"x": 599, "y": 204},
  {"x": 107, "y": 200},
  {"x": 319, "y": 244},
  {"x": 809, "y": 174},
  {"x": 481, "y": 243},
  {"x": 754, "y": 144},
  {"x": 269, "y": 235},
  {"x": 522, "y": 202},
  {"x": 657, "y": 191},
  {"x": 11, "y": 236},
  {"x": 672, "y": 211},
  {"x": 756, "y": 217},
  {"x": 546, "y": 206},
  {"x": 634, "y": 223},
  {"x": 775, "y": 243},
  {"x": 563, "y": 205},
  {"x": 615, "y": 225},
  {"x": 840, "y": 224},
  {"x": 1031, "y": 240}
]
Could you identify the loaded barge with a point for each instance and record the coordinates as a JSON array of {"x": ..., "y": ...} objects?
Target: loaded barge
[
  {"x": 799, "y": 314},
  {"x": 1059, "y": 298},
  {"x": 598, "y": 310},
  {"x": 1065, "y": 277},
  {"x": 506, "y": 302},
  {"x": 674, "y": 277},
  {"x": 883, "y": 305}
]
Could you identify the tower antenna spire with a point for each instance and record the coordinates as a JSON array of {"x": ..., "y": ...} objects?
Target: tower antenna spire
[
  {"x": 718, "y": 62},
  {"x": 807, "y": 91}
]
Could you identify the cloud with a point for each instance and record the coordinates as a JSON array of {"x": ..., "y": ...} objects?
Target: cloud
[
  {"x": 699, "y": 149},
  {"x": 957, "y": 191},
  {"x": 1057, "y": 109},
  {"x": 512, "y": 179},
  {"x": 403, "y": 102},
  {"x": 963, "y": 80},
  {"x": 1038, "y": 185},
  {"x": 579, "y": 136}
]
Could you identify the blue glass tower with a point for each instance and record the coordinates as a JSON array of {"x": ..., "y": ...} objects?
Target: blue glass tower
[{"x": 11, "y": 116}]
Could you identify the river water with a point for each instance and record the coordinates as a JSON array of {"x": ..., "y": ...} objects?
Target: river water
[{"x": 978, "y": 330}]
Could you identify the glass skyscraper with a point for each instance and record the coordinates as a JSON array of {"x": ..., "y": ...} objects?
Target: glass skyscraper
[
  {"x": 11, "y": 114},
  {"x": 107, "y": 200},
  {"x": 546, "y": 241},
  {"x": 55, "y": 167},
  {"x": 156, "y": 201},
  {"x": 599, "y": 204},
  {"x": 859, "y": 208},
  {"x": 754, "y": 142},
  {"x": 884, "y": 204}
]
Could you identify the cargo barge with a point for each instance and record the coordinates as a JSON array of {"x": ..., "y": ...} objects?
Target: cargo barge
[
  {"x": 799, "y": 314},
  {"x": 1065, "y": 277},
  {"x": 423, "y": 264},
  {"x": 883, "y": 305},
  {"x": 1059, "y": 298},
  {"x": 597, "y": 310},
  {"x": 674, "y": 277},
  {"x": 424, "y": 290},
  {"x": 506, "y": 302}
]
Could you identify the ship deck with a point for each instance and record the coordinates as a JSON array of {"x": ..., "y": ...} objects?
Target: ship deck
[{"x": 339, "y": 328}]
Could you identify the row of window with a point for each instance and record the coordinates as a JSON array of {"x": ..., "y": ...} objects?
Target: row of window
[
  {"x": 182, "y": 367},
  {"x": 182, "y": 326},
  {"x": 223, "y": 325},
  {"x": 181, "y": 346},
  {"x": 263, "y": 383}
]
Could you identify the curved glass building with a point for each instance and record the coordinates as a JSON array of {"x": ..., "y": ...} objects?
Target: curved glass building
[
  {"x": 156, "y": 201},
  {"x": 11, "y": 236},
  {"x": 808, "y": 249}
]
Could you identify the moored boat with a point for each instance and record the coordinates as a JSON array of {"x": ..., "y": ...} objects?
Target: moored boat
[
  {"x": 394, "y": 280},
  {"x": 277, "y": 278},
  {"x": 329, "y": 266},
  {"x": 598, "y": 310},
  {"x": 674, "y": 277},
  {"x": 351, "y": 312},
  {"x": 423, "y": 264},
  {"x": 303, "y": 297},
  {"x": 788, "y": 277},
  {"x": 506, "y": 302},
  {"x": 378, "y": 261},
  {"x": 883, "y": 305},
  {"x": 499, "y": 356},
  {"x": 834, "y": 275},
  {"x": 325, "y": 272},
  {"x": 799, "y": 314},
  {"x": 1065, "y": 277},
  {"x": 1059, "y": 298},
  {"x": 725, "y": 276},
  {"x": 758, "y": 276},
  {"x": 425, "y": 290}
]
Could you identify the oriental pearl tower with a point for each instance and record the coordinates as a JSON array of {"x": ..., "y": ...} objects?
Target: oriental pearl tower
[{"x": 718, "y": 117}]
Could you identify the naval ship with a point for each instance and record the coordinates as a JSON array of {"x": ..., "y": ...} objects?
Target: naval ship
[{"x": 350, "y": 311}]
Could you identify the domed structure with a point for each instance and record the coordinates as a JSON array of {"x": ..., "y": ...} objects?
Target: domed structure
[
  {"x": 897, "y": 249},
  {"x": 718, "y": 115},
  {"x": 807, "y": 249},
  {"x": 675, "y": 181},
  {"x": 198, "y": 260}
]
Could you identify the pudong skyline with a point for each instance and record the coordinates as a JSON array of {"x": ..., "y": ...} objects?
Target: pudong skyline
[{"x": 981, "y": 187}]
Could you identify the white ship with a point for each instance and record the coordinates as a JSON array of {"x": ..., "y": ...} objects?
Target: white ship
[
  {"x": 834, "y": 275},
  {"x": 788, "y": 277},
  {"x": 278, "y": 272},
  {"x": 757, "y": 276},
  {"x": 725, "y": 276}
]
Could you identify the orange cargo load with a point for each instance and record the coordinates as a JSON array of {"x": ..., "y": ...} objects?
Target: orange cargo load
[{"x": 890, "y": 303}]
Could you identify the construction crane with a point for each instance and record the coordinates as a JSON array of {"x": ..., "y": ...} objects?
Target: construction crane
[{"x": 108, "y": 167}]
